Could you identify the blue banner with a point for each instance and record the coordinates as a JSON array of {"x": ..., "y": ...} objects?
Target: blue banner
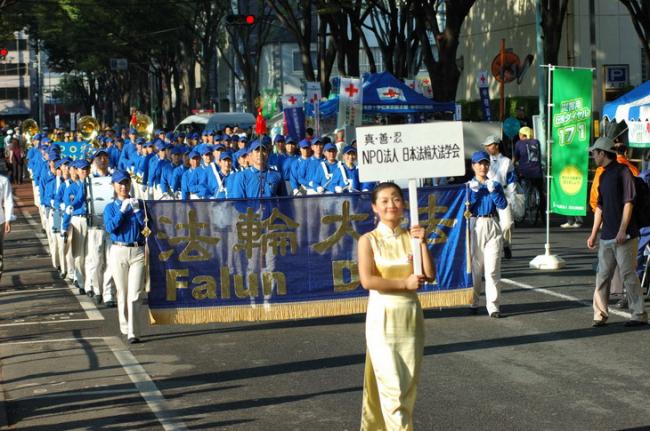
[
  {"x": 295, "y": 123},
  {"x": 75, "y": 150},
  {"x": 287, "y": 258},
  {"x": 485, "y": 103}
]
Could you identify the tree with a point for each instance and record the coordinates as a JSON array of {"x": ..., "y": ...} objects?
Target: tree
[
  {"x": 640, "y": 14},
  {"x": 442, "y": 19},
  {"x": 553, "y": 14}
]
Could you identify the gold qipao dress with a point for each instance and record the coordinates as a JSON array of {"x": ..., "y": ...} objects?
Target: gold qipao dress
[{"x": 394, "y": 337}]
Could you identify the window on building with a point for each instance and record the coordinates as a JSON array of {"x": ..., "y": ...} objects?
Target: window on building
[
  {"x": 297, "y": 61},
  {"x": 13, "y": 69},
  {"x": 14, "y": 93},
  {"x": 364, "y": 62},
  {"x": 15, "y": 44}
]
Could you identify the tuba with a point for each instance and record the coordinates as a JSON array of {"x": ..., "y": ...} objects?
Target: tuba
[
  {"x": 88, "y": 128},
  {"x": 143, "y": 125},
  {"x": 28, "y": 129}
]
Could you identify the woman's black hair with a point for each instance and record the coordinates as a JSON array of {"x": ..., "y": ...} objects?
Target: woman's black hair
[{"x": 383, "y": 186}]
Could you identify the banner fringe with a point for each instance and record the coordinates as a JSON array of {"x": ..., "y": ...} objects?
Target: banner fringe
[{"x": 293, "y": 311}]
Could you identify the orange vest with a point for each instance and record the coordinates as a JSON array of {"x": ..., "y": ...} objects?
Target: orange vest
[{"x": 593, "y": 194}]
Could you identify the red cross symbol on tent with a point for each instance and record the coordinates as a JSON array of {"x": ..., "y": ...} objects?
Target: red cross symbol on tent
[
  {"x": 482, "y": 79},
  {"x": 425, "y": 81},
  {"x": 391, "y": 93},
  {"x": 351, "y": 90},
  {"x": 292, "y": 100}
]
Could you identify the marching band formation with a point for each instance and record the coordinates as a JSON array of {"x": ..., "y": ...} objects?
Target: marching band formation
[{"x": 91, "y": 207}]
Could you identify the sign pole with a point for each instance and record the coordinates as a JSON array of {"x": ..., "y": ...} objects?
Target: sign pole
[{"x": 415, "y": 220}]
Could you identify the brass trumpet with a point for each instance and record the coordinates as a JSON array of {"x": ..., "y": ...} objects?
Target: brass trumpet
[
  {"x": 143, "y": 125},
  {"x": 28, "y": 129},
  {"x": 88, "y": 128}
]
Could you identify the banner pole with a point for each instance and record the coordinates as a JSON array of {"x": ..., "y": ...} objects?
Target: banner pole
[
  {"x": 415, "y": 220},
  {"x": 548, "y": 260}
]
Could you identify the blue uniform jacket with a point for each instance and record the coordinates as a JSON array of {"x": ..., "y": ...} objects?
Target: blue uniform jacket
[
  {"x": 252, "y": 183},
  {"x": 194, "y": 182},
  {"x": 483, "y": 203},
  {"x": 124, "y": 227}
]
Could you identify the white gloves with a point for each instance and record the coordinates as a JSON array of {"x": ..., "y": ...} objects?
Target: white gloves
[
  {"x": 338, "y": 189},
  {"x": 125, "y": 205},
  {"x": 69, "y": 210},
  {"x": 51, "y": 203},
  {"x": 474, "y": 185},
  {"x": 135, "y": 204},
  {"x": 296, "y": 192},
  {"x": 320, "y": 189},
  {"x": 311, "y": 184},
  {"x": 491, "y": 185},
  {"x": 144, "y": 188},
  {"x": 62, "y": 206}
]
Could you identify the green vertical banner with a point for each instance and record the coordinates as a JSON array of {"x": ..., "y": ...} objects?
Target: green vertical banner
[{"x": 571, "y": 136}]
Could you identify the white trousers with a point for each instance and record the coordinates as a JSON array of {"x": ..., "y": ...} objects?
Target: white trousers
[
  {"x": 78, "y": 245},
  {"x": 486, "y": 260},
  {"x": 52, "y": 238},
  {"x": 99, "y": 278},
  {"x": 127, "y": 267}
]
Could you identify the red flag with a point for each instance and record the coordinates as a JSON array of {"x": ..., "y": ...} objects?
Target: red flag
[{"x": 260, "y": 124}]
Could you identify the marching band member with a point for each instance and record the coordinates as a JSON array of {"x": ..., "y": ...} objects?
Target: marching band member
[
  {"x": 346, "y": 176},
  {"x": 503, "y": 171},
  {"x": 99, "y": 282},
  {"x": 156, "y": 169},
  {"x": 75, "y": 221},
  {"x": 142, "y": 169},
  {"x": 328, "y": 167},
  {"x": 65, "y": 254},
  {"x": 193, "y": 182},
  {"x": 170, "y": 180},
  {"x": 299, "y": 168},
  {"x": 226, "y": 175},
  {"x": 486, "y": 197},
  {"x": 124, "y": 222},
  {"x": 314, "y": 168},
  {"x": 50, "y": 193},
  {"x": 258, "y": 181}
]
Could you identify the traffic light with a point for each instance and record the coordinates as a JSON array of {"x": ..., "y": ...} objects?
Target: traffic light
[
  {"x": 3, "y": 53},
  {"x": 240, "y": 20}
]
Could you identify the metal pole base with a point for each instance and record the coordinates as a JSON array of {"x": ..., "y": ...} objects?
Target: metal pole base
[{"x": 547, "y": 260}]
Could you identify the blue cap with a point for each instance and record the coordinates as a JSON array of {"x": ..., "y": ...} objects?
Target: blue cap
[
  {"x": 55, "y": 146},
  {"x": 330, "y": 147},
  {"x": 147, "y": 144},
  {"x": 177, "y": 149},
  {"x": 242, "y": 139},
  {"x": 193, "y": 154},
  {"x": 100, "y": 151},
  {"x": 132, "y": 131},
  {"x": 255, "y": 145},
  {"x": 161, "y": 145},
  {"x": 140, "y": 141},
  {"x": 479, "y": 156},
  {"x": 119, "y": 176},
  {"x": 316, "y": 141},
  {"x": 349, "y": 149},
  {"x": 266, "y": 141},
  {"x": 108, "y": 139},
  {"x": 278, "y": 138},
  {"x": 304, "y": 144},
  {"x": 205, "y": 149},
  {"x": 169, "y": 135},
  {"x": 290, "y": 140},
  {"x": 182, "y": 135},
  {"x": 51, "y": 154},
  {"x": 226, "y": 138},
  {"x": 193, "y": 136},
  {"x": 205, "y": 133},
  {"x": 234, "y": 138},
  {"x": 81, "y": 164},
  {"x": 225, "y": 155},
  {"x": 218, "y": 147},
  {"x": 217, "y": 137},
  {"x": 60, "y": 162},
  {"x": 241, "y": 153}
]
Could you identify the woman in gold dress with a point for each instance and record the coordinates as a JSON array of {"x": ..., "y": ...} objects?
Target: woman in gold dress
[{"x": 394, "y": 321}]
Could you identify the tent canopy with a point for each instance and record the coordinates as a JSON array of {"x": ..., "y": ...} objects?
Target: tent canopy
[
  {"x": 633, "y": 105},
  {"x": 385, "y": 94}
]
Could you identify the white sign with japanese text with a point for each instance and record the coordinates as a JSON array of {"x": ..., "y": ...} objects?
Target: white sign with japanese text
[{"x": 410, "y": 151}]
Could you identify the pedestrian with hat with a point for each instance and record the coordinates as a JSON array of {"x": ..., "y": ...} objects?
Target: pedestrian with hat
[
  {"x": 194, "y": 185},
  {"x": 619, "y": 235},
  {"x": 346, "y": 177},
  {"x": 329, "y": 165},
  {"x": 226, "y": 176},
  {"x": 299, "y": 168},
  {"x": 65, "y": 255},
  {"x": 170, "y": 179},
  {"x": 258, "y": 181},
  {"x": 75, "y": 220},
  {"x": 124, "y": 222},
  {"x": 486, "y": 197}
]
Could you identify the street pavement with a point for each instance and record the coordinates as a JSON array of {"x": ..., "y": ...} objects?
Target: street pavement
[{"x": 65, "y": 366}]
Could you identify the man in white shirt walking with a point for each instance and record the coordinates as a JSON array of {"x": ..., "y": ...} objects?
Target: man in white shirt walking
[{"x": 6, "y": 214}]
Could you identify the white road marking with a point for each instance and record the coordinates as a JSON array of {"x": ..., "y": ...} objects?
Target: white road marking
[
  {"x": 562, "y": 296},
  {"x": 136, "y": 372},
  {"x": 88, "y": 306}
]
